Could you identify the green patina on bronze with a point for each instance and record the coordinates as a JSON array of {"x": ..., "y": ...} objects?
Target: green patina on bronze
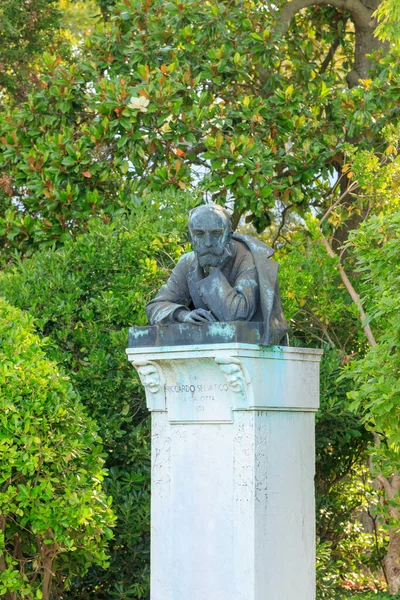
[
  {"x": 178, "y": 334},
  {"x": 227, "y": 278}
]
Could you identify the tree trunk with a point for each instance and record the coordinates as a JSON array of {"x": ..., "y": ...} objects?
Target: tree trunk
[
  {"x": 365, "y": 43},
  {"x": 235, "y": 219},
  {"x": 361, "y": 12},
  {"x": 47, "y": 565},
  {"x": 391, "y": 562},
  {"x": 3, "y": 564}
]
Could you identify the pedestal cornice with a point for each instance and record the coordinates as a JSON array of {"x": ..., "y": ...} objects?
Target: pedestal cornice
[{"x": 207, "y": 382}]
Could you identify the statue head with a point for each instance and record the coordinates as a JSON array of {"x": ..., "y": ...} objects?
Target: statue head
[{"x": 209, "y": 233}]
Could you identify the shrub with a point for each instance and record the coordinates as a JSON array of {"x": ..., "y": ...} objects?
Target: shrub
[
  {"x": 84, "y": 296},
  {"x": 53, "y": 510}
]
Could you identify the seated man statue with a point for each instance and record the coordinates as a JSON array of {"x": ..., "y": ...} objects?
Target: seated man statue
[{"x": 227, "y": 277}]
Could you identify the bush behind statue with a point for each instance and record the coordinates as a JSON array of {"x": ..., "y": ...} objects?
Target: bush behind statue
[
  {"x": 84, "y": 296},
  {"x": 55, "y": 516}
]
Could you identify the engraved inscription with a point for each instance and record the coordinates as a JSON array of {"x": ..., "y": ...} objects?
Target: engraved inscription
[
  {"x": 202, "y": 395},
  {"x": 195, "y": 394},
  {"x": 199, "y": 388}
]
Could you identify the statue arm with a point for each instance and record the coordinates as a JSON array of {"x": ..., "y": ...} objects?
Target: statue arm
[
  {"x": 172, "y": 297},
  {"x": 237, "y": 302}
]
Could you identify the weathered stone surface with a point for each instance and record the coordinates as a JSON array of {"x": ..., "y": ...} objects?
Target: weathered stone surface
[{"x": 232, "y": 470}]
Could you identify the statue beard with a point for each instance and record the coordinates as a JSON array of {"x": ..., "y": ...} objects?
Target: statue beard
[
  {"x": 210, "y": 259},
  {"x": 215, "y": 257}
]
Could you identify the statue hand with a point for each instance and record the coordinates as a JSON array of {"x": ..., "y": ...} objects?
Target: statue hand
[
  {"x": 208, "y": 269},
  {"x": 196, "y": 317}
]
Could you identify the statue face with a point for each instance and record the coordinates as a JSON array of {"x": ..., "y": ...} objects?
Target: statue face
[
  {"x": 150, "y": 378},
  {"x": 209, "y": 233},
  {"x": 234, "y": 377}
]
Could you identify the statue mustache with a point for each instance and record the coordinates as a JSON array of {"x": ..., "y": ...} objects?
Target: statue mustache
[{"x": 213, "y": 252}]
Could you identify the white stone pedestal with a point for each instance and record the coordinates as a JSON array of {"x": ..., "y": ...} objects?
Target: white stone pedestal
[{"x": 232, "y": 513}]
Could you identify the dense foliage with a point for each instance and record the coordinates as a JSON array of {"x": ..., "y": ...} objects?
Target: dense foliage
[
  {"x": 83, "y": 297},
  {"x": 322, "y": 309},
  {"x": 27, "y": 29},
  {"x": 274, "y": 109},
  {"x": 191, "y": 94},
  {"x": 86, "y": 294},
  {"x": 377, "y": 392},
  {"x": 54, "y": 514},
  {"x": 377, "y": 243},
  {"x": 322, "y": 313}
]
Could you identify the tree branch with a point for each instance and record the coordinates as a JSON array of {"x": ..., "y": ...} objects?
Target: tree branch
[
  {"x": 331, "y": 52},
  {"x": 386, "y": 486},
  {"x": 353, "y": 186},
  {"x": 360, "y": 14},
  {"x": 282, "y": 224},
  {"x": 235, "y": 219},
  {"x": 354, "y": 296},
  {"x": 310, "y": 332}
]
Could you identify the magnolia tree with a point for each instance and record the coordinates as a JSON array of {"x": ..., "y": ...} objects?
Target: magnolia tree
[
  {"x": 55, "y": 519},
  {"x": 28, "y": 28},
  {"x": 255, "y": 103}
]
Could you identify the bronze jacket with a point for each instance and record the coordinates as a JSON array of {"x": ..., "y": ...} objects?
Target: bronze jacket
[{"x": 245, "y": 289}]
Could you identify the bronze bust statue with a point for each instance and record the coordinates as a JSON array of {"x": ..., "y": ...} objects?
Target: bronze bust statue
[{"x": 227, "y": 277}]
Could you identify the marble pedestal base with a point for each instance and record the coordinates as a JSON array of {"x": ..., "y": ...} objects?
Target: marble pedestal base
[{"x": 232, "y": 508}]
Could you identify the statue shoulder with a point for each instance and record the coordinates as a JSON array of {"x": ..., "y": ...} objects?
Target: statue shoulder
[
  {"x": 257, "y": 247},
  {"x": 186, "y": 262}
]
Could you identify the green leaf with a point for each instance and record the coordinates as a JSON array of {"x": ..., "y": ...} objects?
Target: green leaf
[{"x": 230, "y": 179}]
